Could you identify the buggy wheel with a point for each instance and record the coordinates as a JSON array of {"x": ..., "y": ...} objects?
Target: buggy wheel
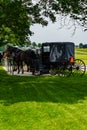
[
  {"x": 68, "y": 71},
  {"x": 53, "y": 71},
  {"x": 78, "y": 68},
  {"x": 65, "y": 71}
]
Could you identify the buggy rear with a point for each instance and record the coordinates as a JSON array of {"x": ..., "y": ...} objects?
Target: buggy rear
[{"x": 59, "y": 58}]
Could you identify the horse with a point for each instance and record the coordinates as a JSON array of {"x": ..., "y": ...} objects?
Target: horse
[
  {"x": 14, "y": 53},
  {"x": 31, "y": 59},
  {"x": 19, "y": 57}
]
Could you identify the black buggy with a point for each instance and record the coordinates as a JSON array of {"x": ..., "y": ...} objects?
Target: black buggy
[{"x": 58, "y": 58}]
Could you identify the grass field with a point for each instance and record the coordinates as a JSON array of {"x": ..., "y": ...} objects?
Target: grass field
[
  {"x": 43, "y": 102},
  {"x": 81, "y": 53}
]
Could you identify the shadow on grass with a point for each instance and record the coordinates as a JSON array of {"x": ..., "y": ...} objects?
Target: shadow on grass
[{"x": 15, "y": 89}]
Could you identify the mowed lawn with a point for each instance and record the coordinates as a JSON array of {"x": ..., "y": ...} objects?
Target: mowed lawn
[
  {"x": 43, "y": 102},
  {"x": 81, "y": 53}
]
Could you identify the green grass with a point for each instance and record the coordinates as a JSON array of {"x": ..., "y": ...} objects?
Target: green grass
[
  {"x": 42, "y": 102},
  {"x": 81, "y": 53}
]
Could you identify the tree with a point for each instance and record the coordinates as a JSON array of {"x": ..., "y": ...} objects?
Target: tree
[
  {"x": 80, "y": 45},
  {"x": 34, "y": 44},
  {"x": 16, "y": 16},
  {"x": 14, "y": 22},
  {"x": 39, "y": 44},
  {"x": 75, "y": 9}
]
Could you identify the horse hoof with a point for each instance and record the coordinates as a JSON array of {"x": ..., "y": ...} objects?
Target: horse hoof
[
  {"x": 33, "y": 73},
  {"x": 23, "y": 72}
]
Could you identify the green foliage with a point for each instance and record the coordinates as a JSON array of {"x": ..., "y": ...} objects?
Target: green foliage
[
  {"x": 76, "y": 10},
  {"x": 34, "y": 44},
  {"x": 14, "y": 23},
  {"x": 81, "y": 45},
  {"x": 6, "y": 35},
  {"x": 39, "y": 44},
  {"x": 16, "y": 16}
]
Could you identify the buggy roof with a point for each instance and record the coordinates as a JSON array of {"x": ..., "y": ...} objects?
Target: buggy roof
[{"x": 58, "y": 43}]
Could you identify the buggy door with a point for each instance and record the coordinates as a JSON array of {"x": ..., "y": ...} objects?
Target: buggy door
[{"x": 46, "y": 55}]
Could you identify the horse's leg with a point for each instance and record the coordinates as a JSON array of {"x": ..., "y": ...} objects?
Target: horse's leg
[
  {"x": 14, "y": 66},
  {"x": 28, "y": 68},
  {"x": 18, "y": 68},
  {"x": 22, "y": 67},
  {"x": 33, "y": 72}
]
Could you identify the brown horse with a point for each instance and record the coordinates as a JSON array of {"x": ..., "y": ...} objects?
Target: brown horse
[
  {"x": 6, "y": 54},
  {"x": 19, "y": 57},
  {"x": 10, "y": 54}
]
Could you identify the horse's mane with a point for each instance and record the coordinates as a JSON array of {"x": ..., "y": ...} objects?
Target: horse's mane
[{"x": 13, "y": 48}]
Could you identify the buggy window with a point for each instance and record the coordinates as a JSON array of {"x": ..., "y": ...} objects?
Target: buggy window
[
  {"x": 46, "y": 48},
  {"x": 56, "y": 53}
]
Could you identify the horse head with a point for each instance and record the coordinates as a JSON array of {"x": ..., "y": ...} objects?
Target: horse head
[{"x": 6, "y": 54}]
